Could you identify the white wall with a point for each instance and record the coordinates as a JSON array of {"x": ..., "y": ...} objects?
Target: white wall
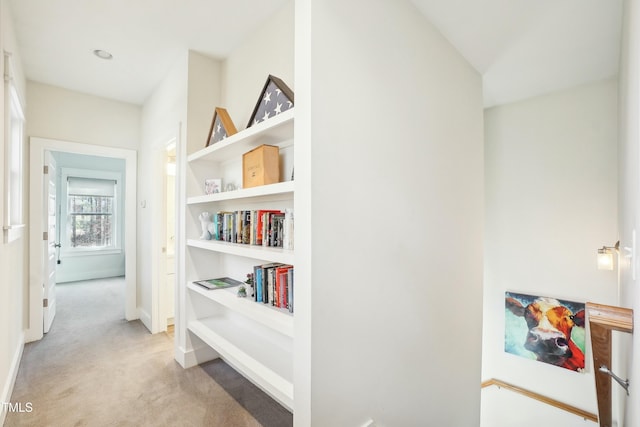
[
  {"x": 505, "y": 408},
  {"x": 551, "y": 202},
  {"x": 74, "y": 267},
  {"x": 629, "y": 203},
  {"x": 162, "y": 114},
  {"x": 13, "y": 264},
  {"x": 269, "y": 50},
  {"x": 181, "y": 107},
  {"x": 57, "y": 113},
  {"x": 394, "y": 169}
]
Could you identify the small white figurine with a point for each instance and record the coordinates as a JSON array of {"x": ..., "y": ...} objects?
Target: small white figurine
[{"x": 206, "y": 224}]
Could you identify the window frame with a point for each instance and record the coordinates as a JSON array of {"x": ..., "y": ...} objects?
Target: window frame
[
  {"x": 63, "y": 209},
  {"x": 13, "y": 215}
]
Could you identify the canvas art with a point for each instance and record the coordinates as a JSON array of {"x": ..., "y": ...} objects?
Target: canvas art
[{"x": 545, "y": 329}]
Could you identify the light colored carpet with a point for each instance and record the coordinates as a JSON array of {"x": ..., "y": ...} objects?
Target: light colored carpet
[{"x": 96, "y": 369}]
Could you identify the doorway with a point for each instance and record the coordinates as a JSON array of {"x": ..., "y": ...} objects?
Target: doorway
[
  {"x": 169, "y": 248},
  {"x": 38, "y": 271}
]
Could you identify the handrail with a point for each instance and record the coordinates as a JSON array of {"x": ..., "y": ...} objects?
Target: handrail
[
  {"x": 602, "y": 320},
  {"x": 544, "y": 399}
]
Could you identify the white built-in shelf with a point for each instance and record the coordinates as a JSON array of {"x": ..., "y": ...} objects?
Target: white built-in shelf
[
  {"x": 244, "y": 349},
  {"x": 250, "y": 251},
  {"x": 280, "y": 188},
  {"x": 278, "y": 319},
  {"x": 277, "y": 130}
]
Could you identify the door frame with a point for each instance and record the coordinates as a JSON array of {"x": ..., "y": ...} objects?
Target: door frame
[
  {"x": 159, "y": 237},
  {"x": 38, "y": 146}
]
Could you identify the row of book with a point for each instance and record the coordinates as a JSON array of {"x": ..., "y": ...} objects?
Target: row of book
[
  {"x": 272, "y": 284},
  {"x": 256, "y": 227}
]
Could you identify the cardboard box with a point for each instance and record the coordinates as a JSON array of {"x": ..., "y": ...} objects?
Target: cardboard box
[{"x": 261, "y": 166}]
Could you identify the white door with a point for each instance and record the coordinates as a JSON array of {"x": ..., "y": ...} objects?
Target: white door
[{"x": 49, "y": 241}]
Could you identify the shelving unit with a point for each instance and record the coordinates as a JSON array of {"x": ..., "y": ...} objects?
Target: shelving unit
[{"x": 255, "y": 338}]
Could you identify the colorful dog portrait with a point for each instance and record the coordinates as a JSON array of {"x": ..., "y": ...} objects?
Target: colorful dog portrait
[{"x": 545, "y": 329}]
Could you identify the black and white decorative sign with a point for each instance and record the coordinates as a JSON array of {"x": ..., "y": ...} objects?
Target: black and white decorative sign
[{"x": 276, "y": 98}]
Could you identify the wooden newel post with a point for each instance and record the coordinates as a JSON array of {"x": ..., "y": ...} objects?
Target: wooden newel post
[{"x": 602, "y": 320}]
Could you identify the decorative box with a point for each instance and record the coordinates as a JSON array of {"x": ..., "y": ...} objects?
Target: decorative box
[{"x": 261, "y": 166}]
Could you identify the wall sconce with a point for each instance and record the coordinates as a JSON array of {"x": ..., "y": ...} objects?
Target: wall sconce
[{"x": 605, "y": 256}]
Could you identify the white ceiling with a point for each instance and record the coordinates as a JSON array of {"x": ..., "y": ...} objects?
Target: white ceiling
[
  {"x": 522, "y": 48},
  {"x": 146, "y": 37}
]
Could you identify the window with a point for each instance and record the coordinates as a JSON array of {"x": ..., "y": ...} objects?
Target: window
[
  {"x": 13, "y": 156},
  {"x": 91, "y": 221}
]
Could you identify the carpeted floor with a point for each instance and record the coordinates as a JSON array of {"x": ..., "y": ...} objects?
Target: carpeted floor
[{"x": 96, "y": 369}]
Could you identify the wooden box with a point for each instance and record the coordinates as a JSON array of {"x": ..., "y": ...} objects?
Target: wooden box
[{"x": 261, "y": 166}]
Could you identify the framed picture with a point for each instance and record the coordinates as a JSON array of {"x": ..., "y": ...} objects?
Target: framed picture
[
  {"x": 545, "y": 329},
  {"x": 221, "y": 126},
  {"x": 212, "y": 186},
  {"x": 275, "y": 98}
]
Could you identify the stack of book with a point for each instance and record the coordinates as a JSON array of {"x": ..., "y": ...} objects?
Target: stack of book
[
  {"x": 256, "y": 227},
  {"x": 273, "y": 285}
]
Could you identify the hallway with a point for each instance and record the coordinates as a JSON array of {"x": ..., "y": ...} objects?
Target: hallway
[{"x": 96, "y": 369}]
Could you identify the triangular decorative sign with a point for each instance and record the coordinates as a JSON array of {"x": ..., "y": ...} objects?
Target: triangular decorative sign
[
  {"x": 221, "y": 126},
  {"x": 276, "y": 98}
]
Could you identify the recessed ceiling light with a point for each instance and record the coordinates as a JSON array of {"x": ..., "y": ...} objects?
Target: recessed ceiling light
[{"x": 102, "y": 54}]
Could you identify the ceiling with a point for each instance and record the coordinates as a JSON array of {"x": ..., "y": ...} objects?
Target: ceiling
[{"x": 522, "y": 48}]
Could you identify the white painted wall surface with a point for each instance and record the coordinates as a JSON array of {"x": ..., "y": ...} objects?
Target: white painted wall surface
[
  {"x": 203, "y": 95},
  {"x": 162, "y": 113},
  {"x": 187, "y": 96},
  {"x": 629, "y": 203},
  {"x": 504, "y": 408},
  {"x": 551, "y": 202},
  {"x": 57, "y": 113},
  {"x": 244, "y": 72},
  {"x": 394, "y": 122},
  {"x": 13, "y": 256}
]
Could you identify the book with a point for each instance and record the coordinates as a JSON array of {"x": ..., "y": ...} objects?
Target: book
[
  {"x": 261, "y": 226},
  {"x": 219, "y": 283},
  {"x": 287, "y": 238},
  {"x": 268, "y": 282},
  {"x": 281, "y": 286},
  {"x": 290, "y": 289},
  {"x": 257, "y": 282}
]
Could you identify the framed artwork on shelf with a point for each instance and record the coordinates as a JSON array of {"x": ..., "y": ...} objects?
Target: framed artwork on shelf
[
  {"x": 212, "y": 186},
  {"x": 221, "y": 126},
  {"x": 276, "y": 97}
]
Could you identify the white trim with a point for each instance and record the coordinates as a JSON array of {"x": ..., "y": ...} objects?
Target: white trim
[
  {"x": 145, "y": 318},
  {"x": 195, "y": 356},
  {"x": 77, "y": 252},
  {"x": 159, "y": 238},
  {"x": 7, "y": 390},
  {"x": 14, "y": 147},
  {"x": 36, "y": 160}
]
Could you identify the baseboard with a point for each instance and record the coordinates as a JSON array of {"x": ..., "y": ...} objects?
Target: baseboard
[
  {"x": 89, "y": 275},
  {"x": 10, "y": 382},
  {"x": 190, "y": 358},
  {"x": 145, "y": 318}
]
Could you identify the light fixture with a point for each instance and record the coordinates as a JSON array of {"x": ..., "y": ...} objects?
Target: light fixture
[
  {"x": 102, "y": 54},
  {"x": 605, "y": 256}
]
